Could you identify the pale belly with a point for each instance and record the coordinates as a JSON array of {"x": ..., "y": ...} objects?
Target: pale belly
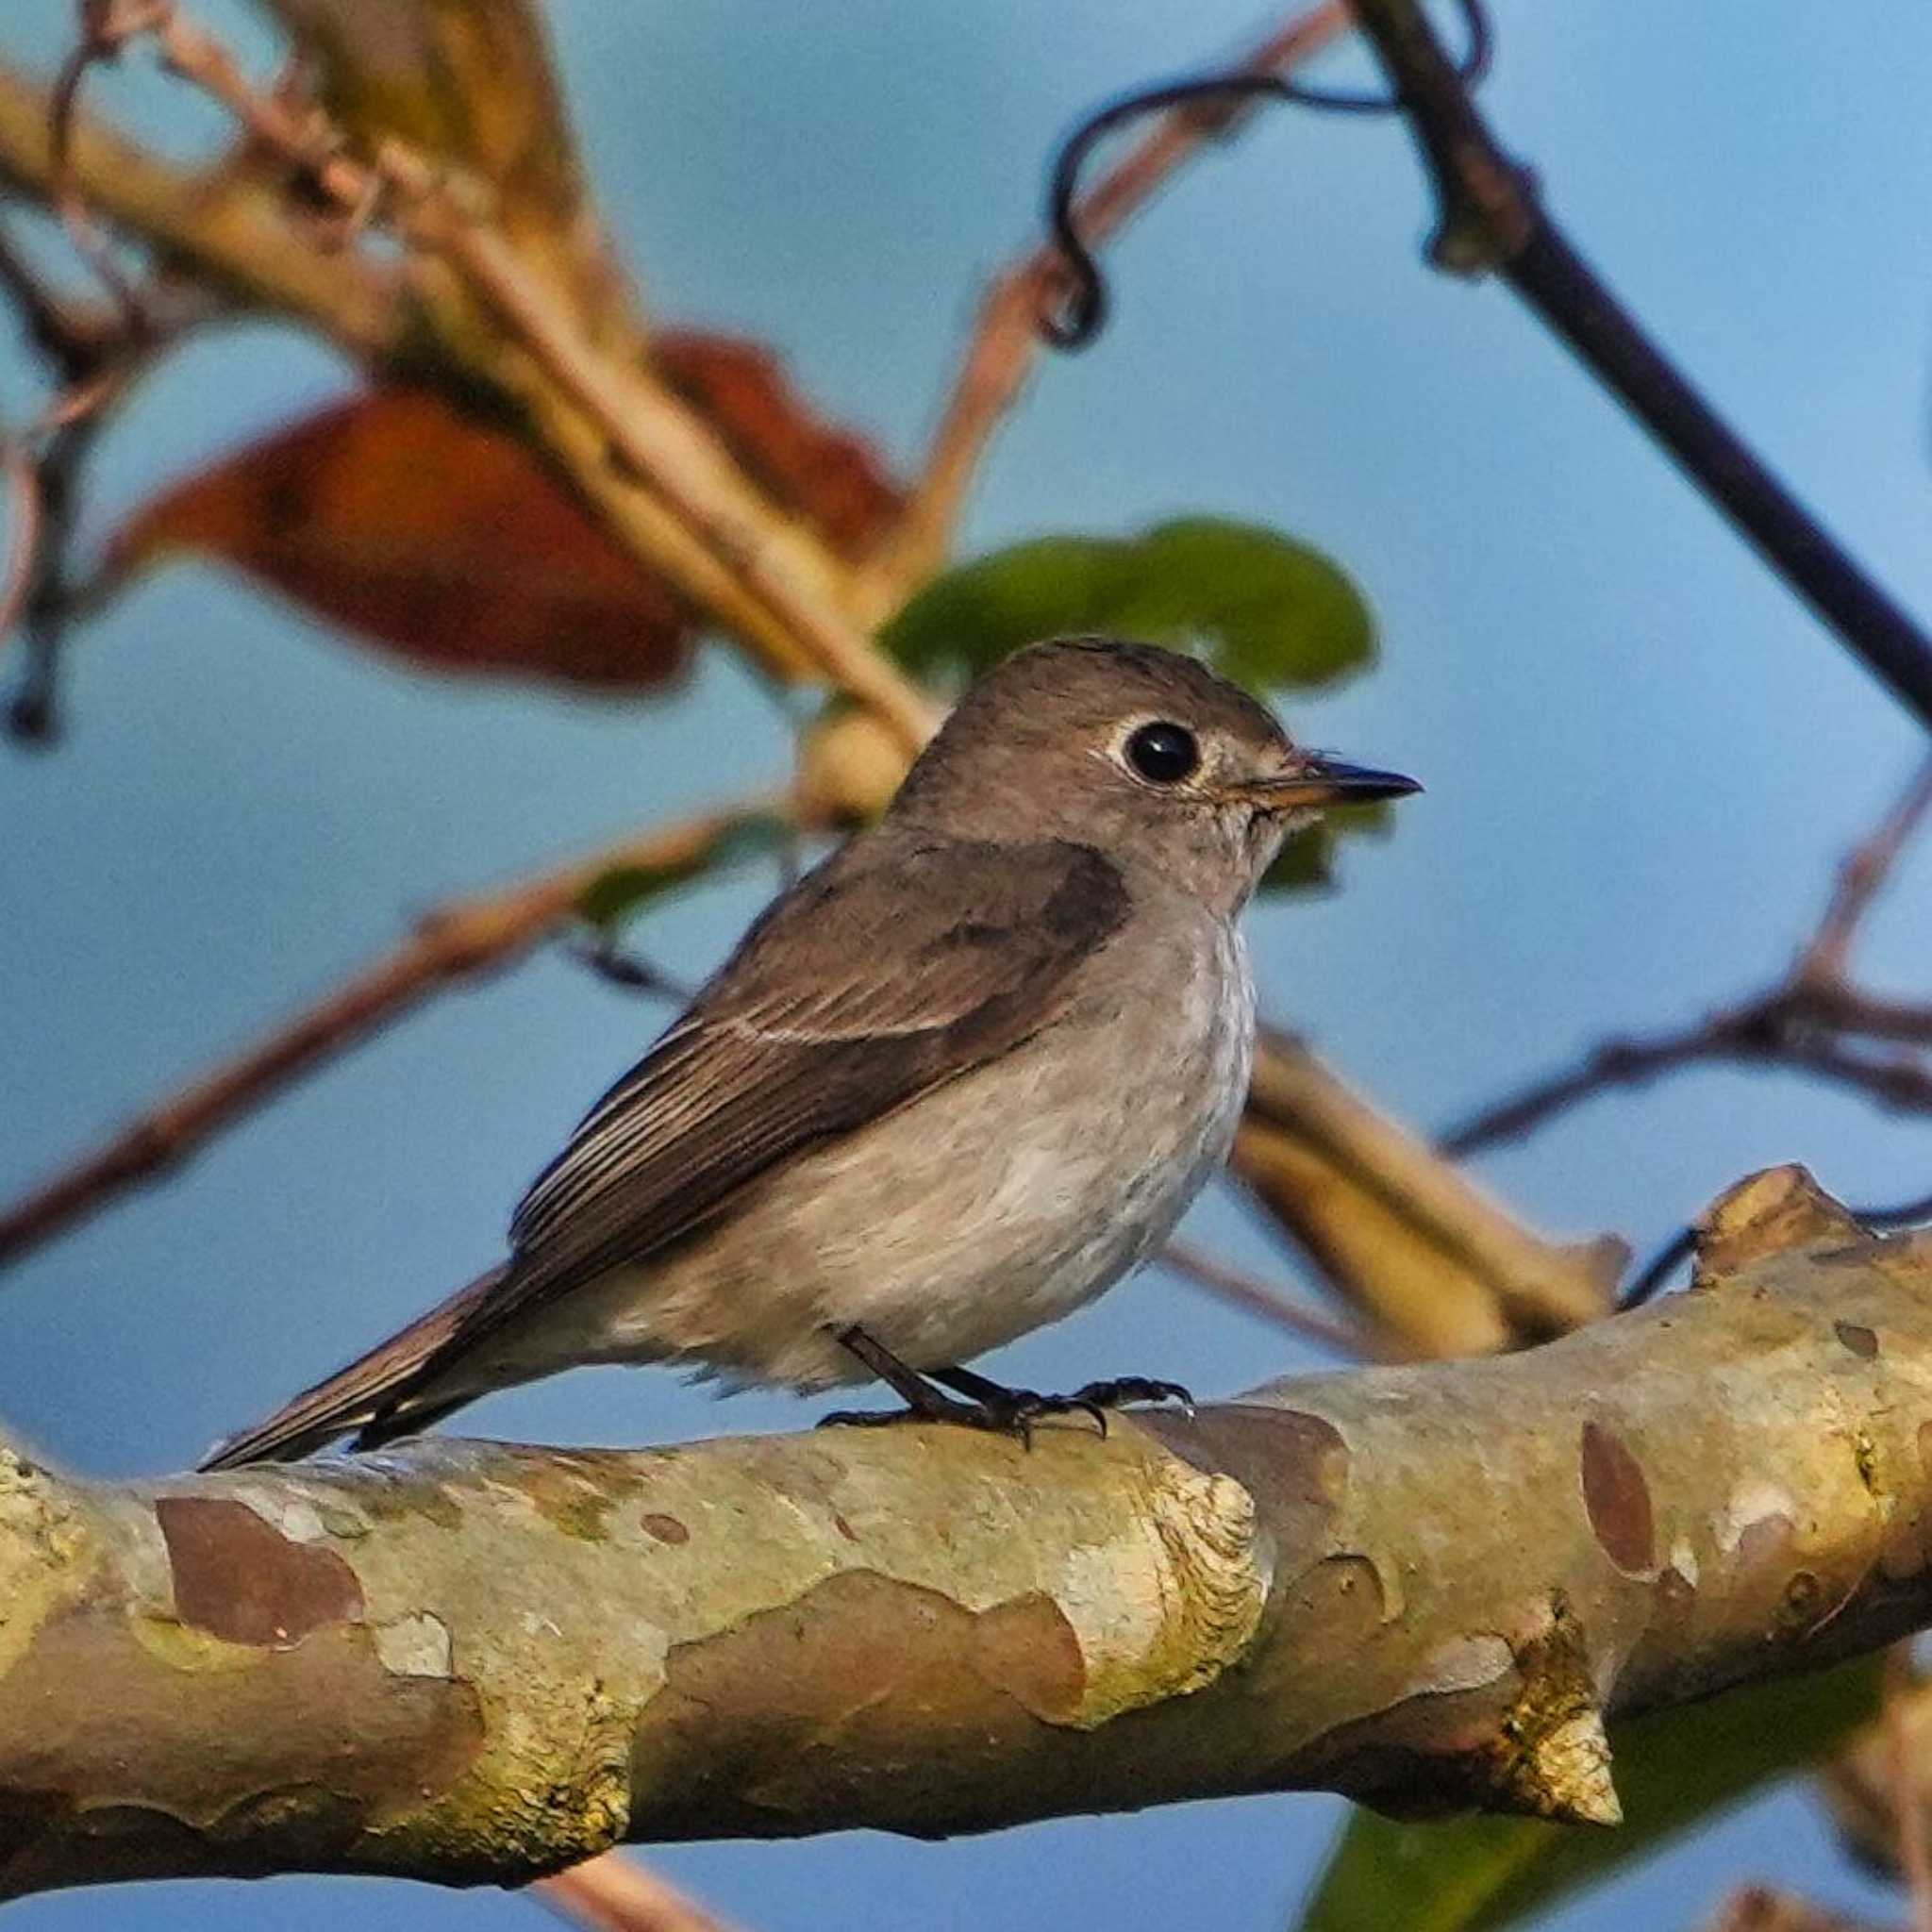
[{"x": 989, "y": 1207}]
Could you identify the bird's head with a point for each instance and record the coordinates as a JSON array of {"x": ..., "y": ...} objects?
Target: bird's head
[{"x": 1142, "y": 752}]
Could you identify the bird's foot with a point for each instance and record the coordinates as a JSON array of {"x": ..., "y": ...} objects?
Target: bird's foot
[
  {"x": 1120, "y": 1391},
  {"x": 932, "y": 1408},
  {"x": 980, "y": 1402},
  {"x": 999, "y": 1412}
]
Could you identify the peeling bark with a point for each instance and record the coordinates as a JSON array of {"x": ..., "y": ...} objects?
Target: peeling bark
[{"x": 1425, "y": 1586}]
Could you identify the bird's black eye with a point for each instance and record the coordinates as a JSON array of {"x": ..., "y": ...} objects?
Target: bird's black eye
[{"x": 1164, "y": 753}]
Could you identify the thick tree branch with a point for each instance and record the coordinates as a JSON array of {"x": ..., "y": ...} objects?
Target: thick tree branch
[{"x": 473, "y": 1662}]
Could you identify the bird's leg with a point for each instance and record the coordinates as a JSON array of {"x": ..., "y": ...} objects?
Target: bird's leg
[
  {"x": 988, "y": 1405},
  {"x": 1021, "y": 1406},
  {"x": 924, "y": 1403}
]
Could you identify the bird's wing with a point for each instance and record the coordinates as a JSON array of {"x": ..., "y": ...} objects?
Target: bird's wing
[{"x": 879, "y": 978}]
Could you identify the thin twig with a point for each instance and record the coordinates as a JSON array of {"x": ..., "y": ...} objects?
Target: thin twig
[
  {"x": 453, "y": 943},
  {"x": 55, "y": 327},
  {"x": 1006, "y": 340},
  {"x": 682, "y": 460},
  {"x": 93, "y": 359},
  {"x": 1259, "y": 1297},
  {"x": 233, "y": 233},
  {"x": 1671, "y": 1256},
  {"x": 105, "y": 27},
  {"x": 1862, "y": 878},
  {"x": 615, "y": 1893},
  {"x": 1492, "y": 219},
  {"x": 1622, "y": 1062},
  {"x": 1788, "y": 1026},
  {"x": 1813, "y": 1021}
]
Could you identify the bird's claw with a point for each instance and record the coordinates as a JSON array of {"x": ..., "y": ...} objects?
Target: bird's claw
[
  {"x": 939, "y": 1409},
  {"x": 1122, "y": 1390},
  {"x": 1013, "y": 1411}
]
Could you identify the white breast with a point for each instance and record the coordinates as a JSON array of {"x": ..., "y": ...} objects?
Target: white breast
[{"x": 1069, "y": 1181}]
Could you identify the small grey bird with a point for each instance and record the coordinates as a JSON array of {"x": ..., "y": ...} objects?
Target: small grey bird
[{"x": 956, "y": 1082}]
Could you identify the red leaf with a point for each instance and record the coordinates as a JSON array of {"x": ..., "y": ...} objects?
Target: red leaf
[
  {"x": 422, "y": 530},
  {"x": 442, "y": 539}
]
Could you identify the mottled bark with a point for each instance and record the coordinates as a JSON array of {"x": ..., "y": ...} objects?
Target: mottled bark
[{"x": 1423, "y": 1586}]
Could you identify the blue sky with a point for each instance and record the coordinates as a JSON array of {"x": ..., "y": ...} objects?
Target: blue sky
[{"x": 1642, "y": 758}]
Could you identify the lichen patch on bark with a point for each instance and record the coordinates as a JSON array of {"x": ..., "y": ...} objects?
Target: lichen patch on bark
[
  {"x": 40, "y": 1538},
  {"x": 414, "y": 1646},
  {"x": 1164, "y": 1619},
  {"x": 1550, "y": 1756}
]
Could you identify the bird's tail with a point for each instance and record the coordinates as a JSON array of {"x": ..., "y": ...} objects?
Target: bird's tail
[{"x": 381, "y": 1395}]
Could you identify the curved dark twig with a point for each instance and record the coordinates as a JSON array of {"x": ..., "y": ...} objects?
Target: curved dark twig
[{"x": 1083, "y": 310}]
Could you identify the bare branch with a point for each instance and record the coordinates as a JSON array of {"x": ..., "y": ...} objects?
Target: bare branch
[
  {"x": 652, "y": 468},
  {"x": 1005, "y": 338},
  {"x": 235, "y": 232},
  {"x": 707, "y": 525},
  {"x": 1435, "y": 1265},
  {"x": 1814, "y": 1021},
  {"x": 1492, "y": 219},
  {"x": 450, "y": 945},
  {"x": 23, "y": 563},
  {"x": 614, "y": 1893},
  {"x": 105, "y": 27},
  {"x": 1248, "y": 1292},
  {"x": 1861, "y": 877},
  {"x": 1429, "y": 1585}
]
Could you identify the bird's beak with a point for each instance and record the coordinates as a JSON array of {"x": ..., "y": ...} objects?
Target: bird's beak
[{"x": 1317, "y": 781}]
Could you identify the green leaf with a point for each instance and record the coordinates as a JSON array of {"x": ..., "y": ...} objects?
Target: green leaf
[
  {"x": 622, "y": 890},
  {"x": 1266, "y": 610},
  {"x": 1674, "y": 1770},
  {"x": 1273, "y": 613}
]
